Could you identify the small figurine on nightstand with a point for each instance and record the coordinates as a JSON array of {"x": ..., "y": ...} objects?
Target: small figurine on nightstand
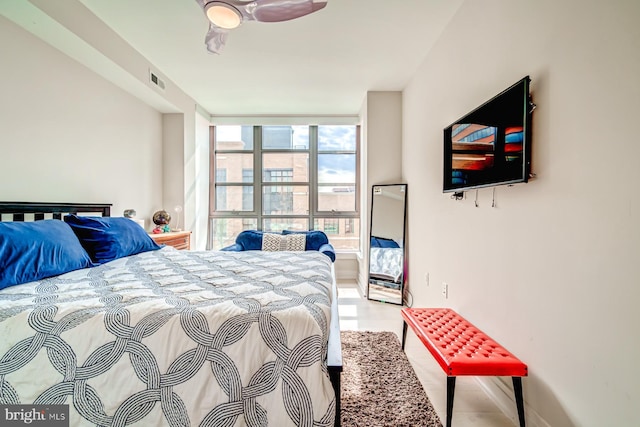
[
  {"x": 161, "y": 219},
  {"x": 161, "y": 229}
]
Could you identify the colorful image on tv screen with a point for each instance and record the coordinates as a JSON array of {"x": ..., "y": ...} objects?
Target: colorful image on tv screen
[{"x": 474, "y": 149}]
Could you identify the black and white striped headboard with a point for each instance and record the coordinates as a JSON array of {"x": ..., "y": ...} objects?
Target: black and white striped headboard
[{"x": 35, "y": 211}]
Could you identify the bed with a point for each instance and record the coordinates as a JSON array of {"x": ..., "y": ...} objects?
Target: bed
[
  {"x": 385, "y": 260},
  {"x": 168, "y": 337}
]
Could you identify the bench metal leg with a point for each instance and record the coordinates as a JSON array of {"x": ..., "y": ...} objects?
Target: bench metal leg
[
  {"x": 451, "y": 387},
  {"x": 404, "y": 333},
  {"x": 517, "y": 390}
]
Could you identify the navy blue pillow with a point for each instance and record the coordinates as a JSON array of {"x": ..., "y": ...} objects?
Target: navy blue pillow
[
  {"x": 36, "y": 250},
  {"x": 250, "y": 240},
  {"x": 107, "y": 238},
  {"x": 382, "y": 242}
]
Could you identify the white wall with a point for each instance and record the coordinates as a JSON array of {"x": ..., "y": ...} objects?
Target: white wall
[
  {"x": 68, "y": 135},
  {"x": 552, "y": 272},
  {"x": 384, "y": 138},
  {"x": 389, "y": 214},
  {"x": 381, "y": 149},
  {"x": 73, "y": 29},
  {"x": 200, "y": 183},
  {"x": 173, "y": 154}
]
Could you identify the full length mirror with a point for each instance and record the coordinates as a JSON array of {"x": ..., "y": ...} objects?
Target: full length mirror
[{"x": 386, "y": 238}]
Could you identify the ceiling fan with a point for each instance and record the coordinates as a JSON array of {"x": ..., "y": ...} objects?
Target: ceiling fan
[{"x": 225, "y": 15}]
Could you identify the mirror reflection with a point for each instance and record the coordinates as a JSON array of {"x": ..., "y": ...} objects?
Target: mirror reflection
[{"x": 386, "y": 243}]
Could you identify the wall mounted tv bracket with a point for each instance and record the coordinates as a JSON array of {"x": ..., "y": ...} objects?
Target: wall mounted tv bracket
[{"x": 533, "y": 107}]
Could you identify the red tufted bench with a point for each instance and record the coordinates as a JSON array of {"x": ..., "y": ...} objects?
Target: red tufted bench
[{"x": 462, "y": 349}]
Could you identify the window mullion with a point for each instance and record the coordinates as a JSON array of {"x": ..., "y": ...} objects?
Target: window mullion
[
  {"x": 313, "y": 175},
  {"x": 358, "y": 177},
  {"x": 257, "y": 174}
]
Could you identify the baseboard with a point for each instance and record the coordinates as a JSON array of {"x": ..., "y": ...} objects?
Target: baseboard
[
  {"x": 502, "y": 395},
  {"x": 362, "y": 284}
]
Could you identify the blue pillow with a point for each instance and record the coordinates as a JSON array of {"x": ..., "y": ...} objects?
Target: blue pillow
[
  {"x": 250, "y": 240},
  {"x": 382, "y": 242},
  {"x": 36, "y": 250},
  {"x": 107, "y": 238}
]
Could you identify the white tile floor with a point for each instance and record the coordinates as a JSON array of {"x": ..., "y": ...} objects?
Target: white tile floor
[{"x": 472, "y": 407}]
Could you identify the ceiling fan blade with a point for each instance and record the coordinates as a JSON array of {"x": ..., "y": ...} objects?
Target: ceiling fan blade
[
  {"x": 283, "y": 10},
  {"x": 216, "y": 39},
  {"x": 256, "y": 10}
]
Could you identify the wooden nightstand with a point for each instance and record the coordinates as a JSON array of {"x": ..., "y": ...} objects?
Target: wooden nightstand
[{"x": 178, "y": 239}]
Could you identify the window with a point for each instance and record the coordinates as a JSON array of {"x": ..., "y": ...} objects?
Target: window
[
  {"x": 247, "y": 190},
  {"x": 286, "y": 177},
  {"x": 337, "y": 168},
  {"x": 221, "y": 176},
  {"x": 332, "y": 226},
  {"x": 348, "y": 226}
]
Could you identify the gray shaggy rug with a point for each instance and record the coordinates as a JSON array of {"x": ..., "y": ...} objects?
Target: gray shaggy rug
[{"x": 379, "y": 386}]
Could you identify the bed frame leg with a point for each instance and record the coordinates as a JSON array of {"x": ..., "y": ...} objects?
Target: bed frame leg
[
  {"x": 334, "y": 376},
  {"x": 517, "y": 390}
]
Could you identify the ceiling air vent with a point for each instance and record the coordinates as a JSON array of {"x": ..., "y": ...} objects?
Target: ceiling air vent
[{"x": 153, "y": 77}]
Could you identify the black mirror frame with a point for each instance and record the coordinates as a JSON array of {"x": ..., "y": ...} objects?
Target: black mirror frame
[{"x": 404, "y": 237}]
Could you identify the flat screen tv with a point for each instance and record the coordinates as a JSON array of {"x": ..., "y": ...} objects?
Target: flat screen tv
[{"x": 492, "y": 144}]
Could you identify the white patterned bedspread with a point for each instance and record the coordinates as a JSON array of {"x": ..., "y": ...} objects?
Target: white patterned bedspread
[
  {"x": 175, "y": 338},
  {"x": 386, "y": 263}
]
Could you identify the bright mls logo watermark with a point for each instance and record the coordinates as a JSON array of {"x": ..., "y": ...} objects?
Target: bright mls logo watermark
[{"x": 34, "y": 415}]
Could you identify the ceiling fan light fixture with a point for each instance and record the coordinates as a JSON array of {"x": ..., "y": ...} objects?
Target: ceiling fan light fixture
[{"x": 223, "y": 15}]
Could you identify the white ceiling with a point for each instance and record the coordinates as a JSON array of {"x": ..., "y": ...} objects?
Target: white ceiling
[{"x": 322, "y": 63}]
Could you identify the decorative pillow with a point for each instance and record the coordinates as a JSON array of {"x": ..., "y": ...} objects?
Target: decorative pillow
[
  {"x": 109, "y": 238},
  {"x": 278, "y": 242},
  {"x": 315, "y": 238},
  {"x": 36, "y": 250}
]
